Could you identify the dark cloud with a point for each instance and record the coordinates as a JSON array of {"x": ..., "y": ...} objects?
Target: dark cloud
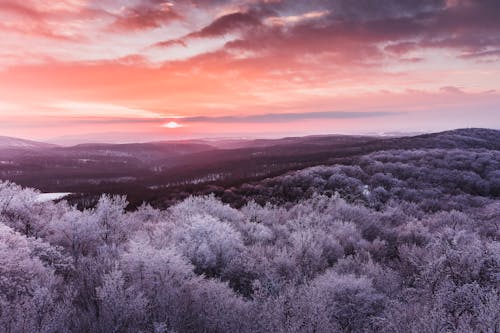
[
  {"x": 358, "y": 29},
  {"x": 285, "y": 117},
  {"x": 223, "y": 25},
  {"x": 171, "y": 42},
  {"x": 401, "y": 48},
  {"x": 362, "y": 10},
  {"x": 227, "y": 24},
  {"x": 148, "y": 15},
  {"x": 452, "y": 90}
]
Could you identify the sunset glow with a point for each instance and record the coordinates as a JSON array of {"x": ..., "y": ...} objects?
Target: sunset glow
[
  {"x": 172, "y": 124},
  {"x": 129, "y": 70}
]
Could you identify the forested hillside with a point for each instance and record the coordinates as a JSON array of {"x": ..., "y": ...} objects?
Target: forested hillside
[
  {"x": 162, "y": 173},
  {"x": 403, "y": 240}
]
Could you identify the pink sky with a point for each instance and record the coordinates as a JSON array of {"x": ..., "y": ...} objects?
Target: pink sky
[{"x": 108, "y": 70}]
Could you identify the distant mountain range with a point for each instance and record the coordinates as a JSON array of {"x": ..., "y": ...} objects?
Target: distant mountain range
[
  {"x": 10, "y": 142},
  {"x": 7, "y": 142}
]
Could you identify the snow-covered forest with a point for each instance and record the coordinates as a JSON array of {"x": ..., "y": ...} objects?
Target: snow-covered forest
[{"x": 406, "y": 241}]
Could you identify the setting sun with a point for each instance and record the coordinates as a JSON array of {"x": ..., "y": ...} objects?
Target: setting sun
[{"x": 172, "y": 124}]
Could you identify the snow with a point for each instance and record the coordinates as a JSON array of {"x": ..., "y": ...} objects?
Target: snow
[
  {"x": 44, "y": 197},
  {"x": 366, "y": 191}
]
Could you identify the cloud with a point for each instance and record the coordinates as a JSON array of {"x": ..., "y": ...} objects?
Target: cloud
[
  {"x": 108, "y": 118},
  {"x": 286, "y": 117},
  {"x": 223, "y": 25},
  {"x": 227, "y": 24},
  {"x": 482, "y": 54},
  {"x": 104, "y": 110},
  {"x": 147, "y": 15},
  {"x": 171, "y": 42},
  {"x": 452, "y": 90},
  {"x": 19, "y": 9},
  {"x": 294, "y": 19},
  {"x": 359, "y": 33},
  {"x": 356, "y": 31},
  {"x": 61, "y": 21}
]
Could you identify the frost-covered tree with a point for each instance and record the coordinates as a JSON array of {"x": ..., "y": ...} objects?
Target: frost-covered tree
[{"x": 400, "y": 241}]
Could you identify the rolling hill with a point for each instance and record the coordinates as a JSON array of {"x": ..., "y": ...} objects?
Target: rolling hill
[{"x": 163, "y": 172}]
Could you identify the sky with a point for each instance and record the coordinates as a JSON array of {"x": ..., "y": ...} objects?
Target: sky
[{"x": 141, "y": 70}]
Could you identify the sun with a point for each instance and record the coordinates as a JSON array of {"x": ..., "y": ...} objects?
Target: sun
[{"x": 172, "y": 124}]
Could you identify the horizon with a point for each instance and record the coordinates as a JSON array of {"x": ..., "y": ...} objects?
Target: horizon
[
  {"x": 143, "y": 70},
  {"x": 88, "y": 138}
]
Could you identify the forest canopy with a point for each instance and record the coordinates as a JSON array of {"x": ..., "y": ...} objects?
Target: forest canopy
[{"x": 404, "y": 241}]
